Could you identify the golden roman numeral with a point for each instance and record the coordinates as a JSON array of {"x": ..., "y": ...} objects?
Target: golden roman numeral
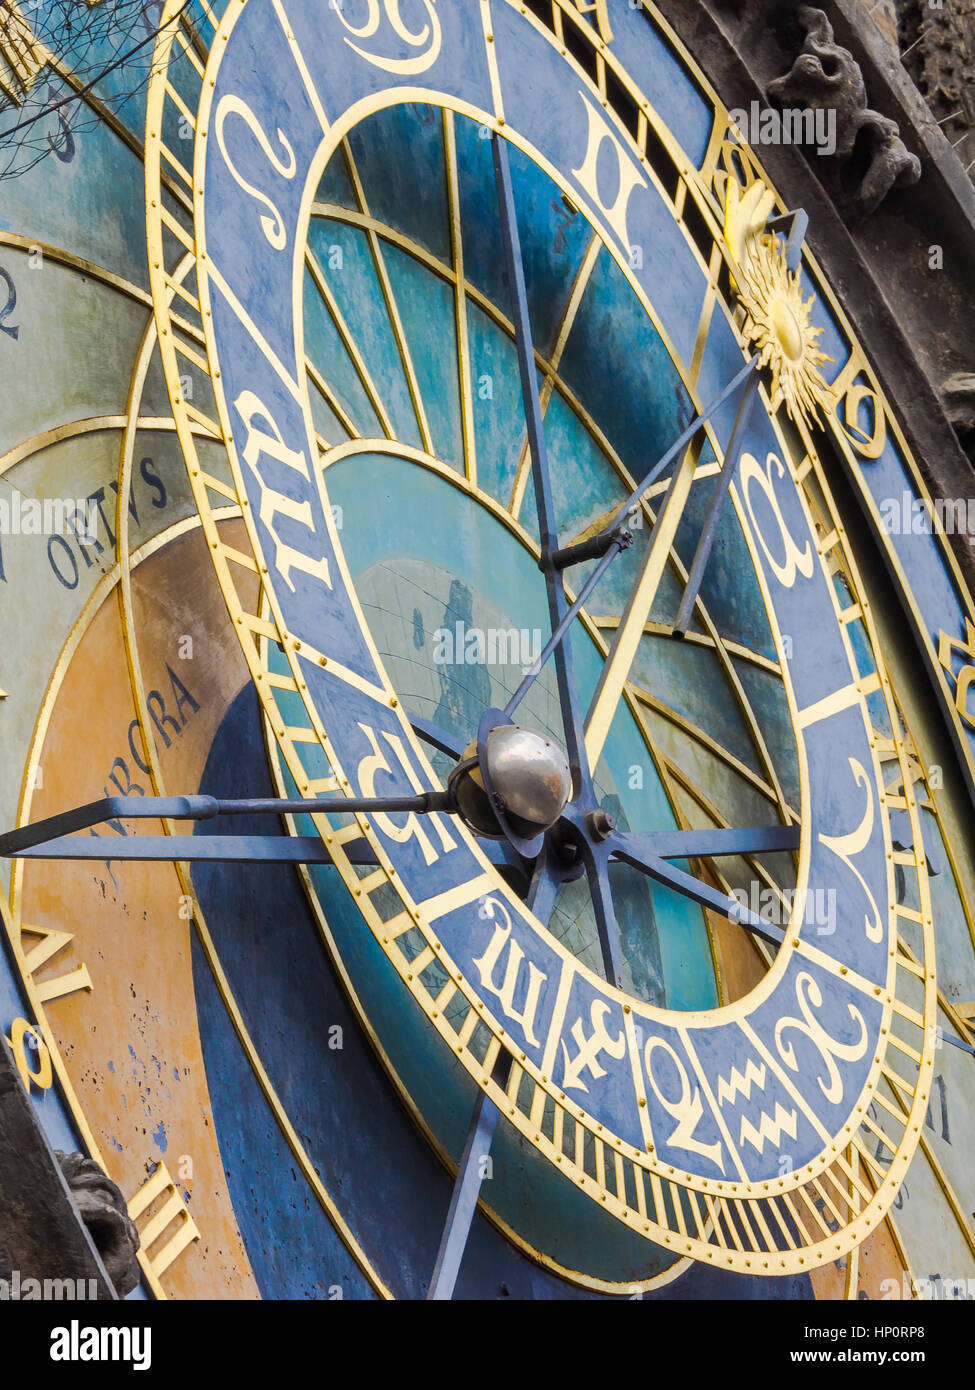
[
  {"x": 22, "y": 52},
  {"x": 172, "y": 1209},
  {"x": 52, "y": 943}
]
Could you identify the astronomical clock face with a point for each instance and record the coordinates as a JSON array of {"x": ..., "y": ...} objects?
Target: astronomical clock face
[{"x": 350, "y": 348}]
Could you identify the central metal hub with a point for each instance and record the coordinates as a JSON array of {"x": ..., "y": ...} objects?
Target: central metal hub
[{"x": 528, "y": 775}]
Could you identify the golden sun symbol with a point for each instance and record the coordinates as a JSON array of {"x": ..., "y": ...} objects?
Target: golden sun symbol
[{"x": 777, "y": 320}]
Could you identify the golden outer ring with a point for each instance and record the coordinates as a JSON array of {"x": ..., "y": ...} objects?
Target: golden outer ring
[{"x": 877, "y": 1189}]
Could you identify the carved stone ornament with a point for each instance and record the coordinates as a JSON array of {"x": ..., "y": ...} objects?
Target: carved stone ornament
[
  {"x": 826, "y": 77},
  {"x": 103, "y": 1210}
]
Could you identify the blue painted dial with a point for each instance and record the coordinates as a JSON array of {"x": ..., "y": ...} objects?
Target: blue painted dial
[{"x": 363, "y": 341}]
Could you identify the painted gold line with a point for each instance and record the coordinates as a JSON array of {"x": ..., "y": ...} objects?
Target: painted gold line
[
  {"x": 492, "y": 61},
  {"x": 615, "y": 672},
  {"x": 331, "y": 400},
  {"x": 392, "y": 309},
  {"x": 569, "y": 316},
  {"x": 177, "y": 99},
  {"x": 813, "y": 1213},
  {"x": 177, "y": 229},
  {"x": 189, "y": 52},
  {"x": 302, "y": 66},
  {"x": 698, "y": 639},
  {"x": 183, "y": 293},
  {"x": 464, "y": 364},
  {"x": 700, "y": 736},
  {"x": 348, "y": 342},
  {"x": 707, "y": 313},
  {"x": 73, "y": 429},
  {"x": 118, "y": 127},
  {"x": 181, "y": 170},
  {"x": 255, "y": 333},
  {"x": 87, "y": 268}
]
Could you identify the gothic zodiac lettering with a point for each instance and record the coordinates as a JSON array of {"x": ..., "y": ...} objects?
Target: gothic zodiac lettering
[
  {"x": 268, "y": 443},
  {"x": 430, "y": 37},
  {"x": 412, "y": 828},
  {"x": 687, "y": 1109},
  {"x": 272, "y": 223},
  {"x": 590, "y": 1049},
  {"x": 846, "y": 846},
  {"x": 810, "y": 997},
  {"x": 795, "y": 561},
  {"x": 506, "y": 983}
]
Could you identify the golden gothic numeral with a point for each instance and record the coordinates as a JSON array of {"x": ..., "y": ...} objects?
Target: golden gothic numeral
[
  {"x": 268, "y": 443},
  {"x": 868, "y": 446},
  {"x": 590, "y": 1049},
  {"x": 53, "y": 942},
  {"x": 172, "y": 1209}
]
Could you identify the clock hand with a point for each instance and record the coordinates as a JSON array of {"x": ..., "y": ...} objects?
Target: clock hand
[
  {"x": 616, "y": 669},
  {"x": 703, "y": 552},
  {"x": 547, "y": 530},
  {"x": 625, "y": 847},
  {"x": 615, "y": 537},
  {"x": 709, "y": 844},
  {"x": 548, "y": 536}
]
